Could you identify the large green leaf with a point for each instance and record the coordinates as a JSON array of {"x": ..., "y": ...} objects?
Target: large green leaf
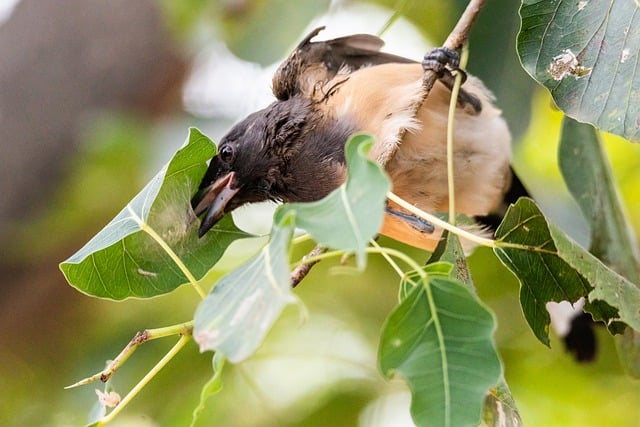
[
  {"x": 352, "y": 214},
  {"x": 586, "y": 54},
  {"x": 585, "y": 168},
  {"x": 440, "y": 338},
  {"x": 552, "y": 267},
  {"x": 243, "y": 305},
  {"x": 132, "y": 255}
]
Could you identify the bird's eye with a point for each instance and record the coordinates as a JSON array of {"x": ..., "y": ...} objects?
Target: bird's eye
[{"x": 226, "y": 153}]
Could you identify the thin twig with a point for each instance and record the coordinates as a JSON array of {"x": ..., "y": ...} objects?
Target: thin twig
[
  {"x": 184, "y": 329},
  {"x": 456, "y": 38},
  {"x": 184, "y": 339},
  {"x": 301, "y": 271}
]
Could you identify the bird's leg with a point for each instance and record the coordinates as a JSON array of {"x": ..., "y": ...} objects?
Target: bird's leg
[
  {"x": 419, "y": 224},
  {"x": 443, "y": 61}
]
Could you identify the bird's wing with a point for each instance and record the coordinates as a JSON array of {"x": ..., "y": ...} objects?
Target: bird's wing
[{"x": 312, "y": 64}]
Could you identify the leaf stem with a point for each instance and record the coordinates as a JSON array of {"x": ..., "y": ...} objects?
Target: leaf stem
[
  {"x": 483, "y": 241},
  {"x": 140, "y": 338},
  {"x": 399, "y": 11},
  {"x": 387, "y": 257},
  {"x": 453, "y": 103},
  {"x": 400, "y": 255},
  {"x": 184, "y": 339},
  {"x": 155, "y": 236},
  {"x": 316, "y": 258},
  {"x": 301, "y": 239},
  {"x": 454, "y": 41},
  {"x": 372, "y": 250}
]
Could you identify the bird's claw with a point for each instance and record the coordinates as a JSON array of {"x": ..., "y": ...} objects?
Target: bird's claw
[
  {"x": 417, "y": 223},
  {"x": 443, "y": 61},
  {"x": 439, "y": 59}
]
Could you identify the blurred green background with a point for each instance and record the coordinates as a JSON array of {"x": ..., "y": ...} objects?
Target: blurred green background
[{"x": 96, "y": 95}]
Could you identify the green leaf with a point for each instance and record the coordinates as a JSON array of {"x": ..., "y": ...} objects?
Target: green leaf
[
  {"x": 213, "y": 386},
  {"x": 243, "y": 305},
  {"x": 126, "y": 258},
  {"x": 586, "y": 170},
  {"x": 352, "y": 214},
  {"x": 551, "y": 267},
  {"x": 440, "y": 339},
  {"x": 499, "y": 407},
  {"x": 586, "y": 54}
]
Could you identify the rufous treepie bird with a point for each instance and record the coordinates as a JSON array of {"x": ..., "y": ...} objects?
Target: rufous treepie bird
[{"x": 293, "y": 150}]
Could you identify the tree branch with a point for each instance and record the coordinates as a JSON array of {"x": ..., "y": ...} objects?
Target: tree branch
[
  {"x": 456, "y": 39},
  {"x": 301, "y": 271}
]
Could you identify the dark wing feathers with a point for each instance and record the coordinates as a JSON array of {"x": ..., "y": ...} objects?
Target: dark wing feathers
[{"x": 318, "y": 62}]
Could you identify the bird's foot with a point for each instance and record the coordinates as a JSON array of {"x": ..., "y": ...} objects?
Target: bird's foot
[
  {"x": 419, "y": 224},
  {"x": 443, "y": 61}
]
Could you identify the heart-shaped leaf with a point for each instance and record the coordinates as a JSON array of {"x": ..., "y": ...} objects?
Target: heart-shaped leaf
[
  {"x": 440, "y": 338},
  {"x": 152, "y": 245},
  {"x": 552, "y": 267},
  {"x": 586, "y": 54}
]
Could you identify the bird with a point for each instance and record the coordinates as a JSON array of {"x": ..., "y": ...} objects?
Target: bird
[{"x": 325, "y": 91}]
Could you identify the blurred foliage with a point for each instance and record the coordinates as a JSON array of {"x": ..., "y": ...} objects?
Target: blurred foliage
[
  {"x": 346, "y": 311},
  {"x": 101, "y": 176}
]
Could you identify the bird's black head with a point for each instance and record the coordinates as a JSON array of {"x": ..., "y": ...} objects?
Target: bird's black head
[{"x": 252, "y": 161}]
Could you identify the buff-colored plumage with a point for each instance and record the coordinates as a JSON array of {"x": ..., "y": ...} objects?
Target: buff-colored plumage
[{"x": 382, "y": 100}]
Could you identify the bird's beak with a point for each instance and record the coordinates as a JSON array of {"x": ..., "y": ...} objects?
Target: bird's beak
[{"x": 214, "y": 201}]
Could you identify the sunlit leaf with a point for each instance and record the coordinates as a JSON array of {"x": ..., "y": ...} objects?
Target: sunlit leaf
[
  {"x": 585, "y": 168},
  {"x": 213, "y": 386},
  {"x": 126, "y": 259},
  {"x": 586, "y": 54},
  {"x": 440, "y": 338},
  {"x": 352, "y": 214},
  {"x": 551, "y": 267},
  {"x": 243, "y": 305}
]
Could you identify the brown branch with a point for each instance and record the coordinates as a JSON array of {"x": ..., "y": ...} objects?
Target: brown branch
[
  {"x": 456, "y": 39},
  {"x": 301, "y": 271}
]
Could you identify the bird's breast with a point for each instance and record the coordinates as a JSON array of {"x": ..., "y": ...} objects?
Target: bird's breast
[{"x": 386, "y": 101}]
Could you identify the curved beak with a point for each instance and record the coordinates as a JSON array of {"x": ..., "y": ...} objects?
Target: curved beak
[{"x": 214, "y": 200}]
